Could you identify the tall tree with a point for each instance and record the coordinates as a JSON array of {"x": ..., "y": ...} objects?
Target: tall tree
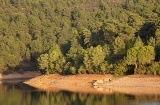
[
  {"x": 87, "y": 36},
  {"x": 43, "y": 62},
  {"x": 140, "y": 56},
  {"x": 93, "y": 58},
  {"x": 146, "y": 54},
  {"x": 76, "y": 53},
  {"x": 131, "y": 57},
  {"x": 119, "y": 46}
]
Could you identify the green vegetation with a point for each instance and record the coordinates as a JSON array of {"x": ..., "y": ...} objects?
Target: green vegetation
[{"x": 82, "y": 36}]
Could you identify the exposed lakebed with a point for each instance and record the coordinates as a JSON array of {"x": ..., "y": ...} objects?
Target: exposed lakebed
[{"x": 15, "y": 92}]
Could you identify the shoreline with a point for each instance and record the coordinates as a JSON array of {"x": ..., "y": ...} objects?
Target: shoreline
[
  {"x": 15, "y": 75},
  {"x": 83, "y": 83}
]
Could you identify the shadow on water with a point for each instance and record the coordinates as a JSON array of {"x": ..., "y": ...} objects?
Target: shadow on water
[
  {"x": 17, "y": 84},
  {"x": 14, "y": 92}
]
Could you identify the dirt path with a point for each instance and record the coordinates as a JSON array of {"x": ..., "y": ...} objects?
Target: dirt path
[{"x": 134, "y": 84}]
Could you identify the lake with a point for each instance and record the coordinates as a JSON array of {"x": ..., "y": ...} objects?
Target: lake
[{"x": 14, "y": 92}]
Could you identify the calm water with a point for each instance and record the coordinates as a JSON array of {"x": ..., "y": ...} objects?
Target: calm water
[{"x": 17, "y": 93}]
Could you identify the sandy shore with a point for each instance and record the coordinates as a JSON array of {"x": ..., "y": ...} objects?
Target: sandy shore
[
  {"x": 75, "y": 83},
  {"x": 15, "y": 75},
  {"x": 133, "y": 84}
]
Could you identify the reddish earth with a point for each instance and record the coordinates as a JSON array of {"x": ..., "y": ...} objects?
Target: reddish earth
[
  {"x": 76, "y": 83},
  {"x": 133, "y": 84}
]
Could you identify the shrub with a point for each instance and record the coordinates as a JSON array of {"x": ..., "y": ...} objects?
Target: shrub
[
  {"x": 82, "y": 70},
  {"x": 73, "y": 70},
  {"x": 120, "y": 68},
  {"x": 154, "y": 68}
]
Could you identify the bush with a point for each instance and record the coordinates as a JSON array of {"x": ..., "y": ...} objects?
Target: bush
[
  {"x": 120, "y": 68},
  {"x": 82, "y": 70},
  {"x": 154, "y": 68},
  {"x": 142, "y": 69},
  {"x": 105, "y": 68},
  {"x": 73, "y": 70}
]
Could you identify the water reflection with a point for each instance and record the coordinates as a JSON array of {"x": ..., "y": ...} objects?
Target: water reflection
[{"x": 17, "y": 93}]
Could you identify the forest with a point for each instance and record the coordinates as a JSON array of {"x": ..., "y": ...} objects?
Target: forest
[{"x": 80, "y": 36}]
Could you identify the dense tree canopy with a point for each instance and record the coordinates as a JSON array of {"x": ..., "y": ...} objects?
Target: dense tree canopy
[{"x": 82, "y": 36}]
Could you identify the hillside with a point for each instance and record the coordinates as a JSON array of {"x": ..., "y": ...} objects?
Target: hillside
[{"x": 80, "y": 37}]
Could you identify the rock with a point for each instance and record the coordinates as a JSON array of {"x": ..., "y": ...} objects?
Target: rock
[{"x": 98, "y": 82}]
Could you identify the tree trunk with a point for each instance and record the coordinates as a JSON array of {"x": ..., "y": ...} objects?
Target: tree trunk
[
  {"x": 47, "y": 71},
  {"x": 135, "y": 70}
]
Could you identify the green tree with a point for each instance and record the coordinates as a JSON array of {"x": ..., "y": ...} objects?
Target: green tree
[
  {"x": 107, "y": 50},
  {"x": 138, "y": 42},
  {"x": 119, "y": 46},
  {"x": 2, "y": 64},
  {"x": 140, "y": 56},
  {"x": 29, "y": 28},
  {"x": 34, "y": 25},
  {"x": 93, "y": 58},
  {"x": 97, "y": 56},
  {"x": 12, "y": 61},
  {"x": 146, "y": 54},
  {"x": 87, "y": 36},
  {"x": 120, "y": 68},
  {"x": 109, "y": 30},
  {"x": 154, "y": 68},
  {"x": 76, "y": 54},
  {"x": 157, "y": 37},
  {"x": 105, "y": 68},
  {"x": 43, "y": 62},
  {"x": 152, "y": 41},
  {"x": 53, "y": 61},
  {"x": 36, "y": 47},
  {"x": 131, "y": 57}
]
